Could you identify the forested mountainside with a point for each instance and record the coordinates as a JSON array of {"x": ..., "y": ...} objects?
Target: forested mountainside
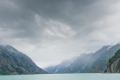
[
  {"x": 113, "y": 65},
  {"x": 87, "y": 63},
  {"x": 101, "y": 62},
  {"x": 14, "y": 62}
]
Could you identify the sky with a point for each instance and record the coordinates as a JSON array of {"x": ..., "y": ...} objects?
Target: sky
[{"x": 50, "y": 31}]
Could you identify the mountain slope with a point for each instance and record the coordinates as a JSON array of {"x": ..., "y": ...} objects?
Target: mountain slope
[
  {"x": 81, "y": 64},
  {"x": 93, "y": 58},
  {"x": 14, "y": 62},
  {"x": 100, "y": 63},
  {"x": 113, "y": 65},
  {"x": 87, "y": 63},
  {"x": 78, "y": 64},
  {"x": 60, "y": 68},
  {"x": 84, "y": 63}
]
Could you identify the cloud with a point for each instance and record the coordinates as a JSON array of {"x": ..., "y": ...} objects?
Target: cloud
[{"x": 59, "y": 29}]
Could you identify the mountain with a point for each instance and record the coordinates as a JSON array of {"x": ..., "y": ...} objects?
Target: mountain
[
  {"x": 81, "y": 64},
  {"x": 113, "y": 65},
  {"x": 84, "y": 62},
  {"x": 14, "y": 62},
  {"x": 78, "y": 64},
  {"x": 100, "y": 63},
  {"x": 60, "y": 68},
  {"x": 86, "y": 68},
  {"x": 87, "y": 63}
]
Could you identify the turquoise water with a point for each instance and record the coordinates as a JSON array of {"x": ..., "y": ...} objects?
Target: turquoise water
[{"x": 62, "y": 77}]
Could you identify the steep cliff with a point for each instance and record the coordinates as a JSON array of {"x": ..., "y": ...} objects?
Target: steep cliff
[
  {"x": 101, "y": 62},
  {"x": 113, "y": 65}
]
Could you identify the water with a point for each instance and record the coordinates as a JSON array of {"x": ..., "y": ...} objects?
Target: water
[{"x": 62, "y": 77}]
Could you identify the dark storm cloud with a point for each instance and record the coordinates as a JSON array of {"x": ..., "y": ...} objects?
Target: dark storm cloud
[
  {"x": 62, "y": 27},
  {"x": 19, "y": 21},
  {"x": 71, "y": 12},
  {"x": 20, "y": 15}
]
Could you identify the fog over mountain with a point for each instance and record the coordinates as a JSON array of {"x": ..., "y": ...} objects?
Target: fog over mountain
[
  {"x": 89, "y": 63},
  {"x": 50, "y": 31}
]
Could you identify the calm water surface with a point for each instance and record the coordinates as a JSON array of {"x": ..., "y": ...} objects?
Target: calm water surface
[{"x": 62, "y": 77}]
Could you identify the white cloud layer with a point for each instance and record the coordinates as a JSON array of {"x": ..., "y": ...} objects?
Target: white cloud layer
[{"x": 52, "y": 31}]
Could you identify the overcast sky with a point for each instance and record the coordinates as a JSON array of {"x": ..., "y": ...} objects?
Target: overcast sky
[{"x": 50, "y": 31}]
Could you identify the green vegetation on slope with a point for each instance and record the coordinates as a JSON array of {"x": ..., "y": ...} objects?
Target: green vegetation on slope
[
  {"x": 114, "y": 58},
  {"x": 101, "y": 62},
  {"x": 14, "y": 62}
]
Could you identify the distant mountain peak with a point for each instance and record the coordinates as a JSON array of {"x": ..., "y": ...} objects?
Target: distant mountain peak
[
  {"x": 3, "y": 45},
  {"x": 109, "y": 46},
  {"x": 118, "y": 42}
]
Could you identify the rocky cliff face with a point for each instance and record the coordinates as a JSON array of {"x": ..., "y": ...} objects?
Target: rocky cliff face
[
  {"x": 113, "y": 65},
  {"x": 101, "y": 62},
  {"x": 14, "y": 62}
]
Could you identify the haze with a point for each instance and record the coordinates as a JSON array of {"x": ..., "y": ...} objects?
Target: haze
[{"x": 50, "y": 31}]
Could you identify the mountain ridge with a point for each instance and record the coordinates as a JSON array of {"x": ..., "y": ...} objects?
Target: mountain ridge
[
  {"x": 88, "y": 63},
  {"x": 101, "y": 62},
  {"x": 14, "y": 62}
]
